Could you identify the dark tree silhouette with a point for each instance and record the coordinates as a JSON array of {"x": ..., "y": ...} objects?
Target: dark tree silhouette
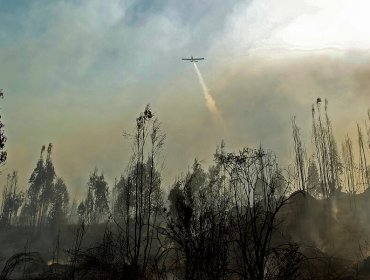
[
  {"x": 139, "y": 200},
  {"x": 12, "y": 201},
  {"x": 349, "y": 170},
  {"x": 3, "y": 152},
  {"x": 258, "y": 195},
  {"x": 95, "y": 208},
  {"x": 326, "y": 151},
  {"x": 313, "y": 180},
  {"x": 300, "y": 157},
  {"x": 59, "y": 204},
  {"x": 363, "y": 167},
  {"x": 198, "y": 225},
  {"x": 46, "y": 199}
]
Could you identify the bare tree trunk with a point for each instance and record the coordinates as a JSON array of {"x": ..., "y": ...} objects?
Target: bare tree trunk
[
  {"x": 349, "y": 170},
  {"x": 300, "y": 156},
  {"x": 363, "y": 162}
]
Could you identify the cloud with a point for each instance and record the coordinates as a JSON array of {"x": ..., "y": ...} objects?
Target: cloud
[
  {"x": 289, "y": 24},
  {"x": 260, "y": 95},
  {"x": 77, "y": 73}
]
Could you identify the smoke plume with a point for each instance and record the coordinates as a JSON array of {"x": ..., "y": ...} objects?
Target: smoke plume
[{"x": 210, "y": 102}]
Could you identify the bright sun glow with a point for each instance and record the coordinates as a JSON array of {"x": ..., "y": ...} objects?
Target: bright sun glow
[
  {"x": 339, "y": 23},
  {"x": 310, "y": 24}
]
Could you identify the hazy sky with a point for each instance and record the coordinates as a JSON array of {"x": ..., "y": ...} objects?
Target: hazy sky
[{"x": 77, "y": 73}]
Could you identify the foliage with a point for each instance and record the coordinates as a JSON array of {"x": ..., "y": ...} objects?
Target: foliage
[
  {"x": 46, "y": 200},
  {"x": 3, "y": 138},
  {"x": 95, "y": 208},
  {"x": 12, "y": 200}
]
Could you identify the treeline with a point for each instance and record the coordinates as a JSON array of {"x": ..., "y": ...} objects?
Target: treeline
[
  {"x": 327, "y": 170},
  {"x": 214, "y": 223},
  {"x": 46, "y": 201},
  {"x": 223, "y": 222}
]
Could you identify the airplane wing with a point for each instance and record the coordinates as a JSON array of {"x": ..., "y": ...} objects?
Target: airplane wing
[
  {"x": 201, "y": 58},
  {"x": 186, "y": 59}
]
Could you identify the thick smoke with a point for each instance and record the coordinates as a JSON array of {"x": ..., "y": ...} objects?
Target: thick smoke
[{"x": 210, "y": 102}]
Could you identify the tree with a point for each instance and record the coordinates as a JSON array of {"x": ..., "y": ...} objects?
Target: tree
[
  {"x": 59, "y": 204},
  {"x": 257, "y": 198},
  {"x": 95, "y": 208},
  {"x": 363, "y": 167},
  {"x": 3, "y": 152},
  {"x": 47, "y": 187},
  {"x": 81, "y": 211},
  {"x": 198, "y": 224},
  {"x": 326, "y": 150},
  {"x": 139, "y": 196},
  {"x": 368, "y": 128},
  {"x": 30, "y": 209},
  {"x": 313, "y": 180},
  {"x": 12, "y": 200},
  {"x": 100, "y": 192},
  {"x": 350, "y": 169},
  {"x": 300, "y": 156},
  {"x": 47, "y": 195},
  {"x": 73, "y": 213}
]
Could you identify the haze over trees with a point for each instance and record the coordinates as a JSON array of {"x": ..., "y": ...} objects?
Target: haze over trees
[
  {"x": 12, "y": 201},
  {"x": 46, "y": 200},
  {"x": 236, "y": 219},
  {"x": 94, "y": 209},
  {"x": 326, "y": 168}
]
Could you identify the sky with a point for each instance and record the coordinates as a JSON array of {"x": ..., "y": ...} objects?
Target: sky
[{"x": 78, "y": 73}]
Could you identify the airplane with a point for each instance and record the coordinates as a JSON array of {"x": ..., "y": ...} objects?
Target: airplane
[{"x": 192, "y": 59}]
